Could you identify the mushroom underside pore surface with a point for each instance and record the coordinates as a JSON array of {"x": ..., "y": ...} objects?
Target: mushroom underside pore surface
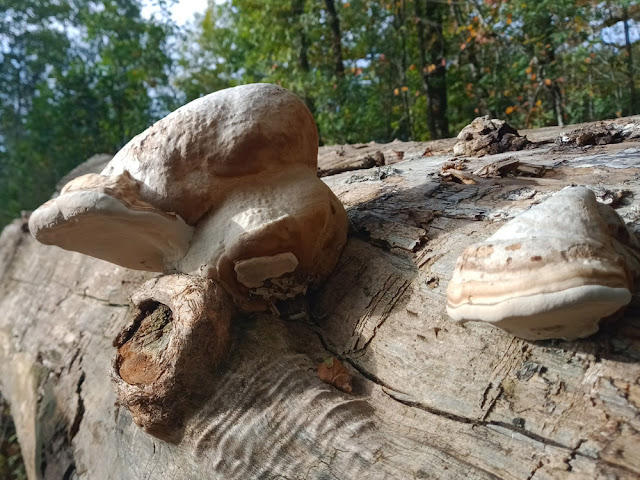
[
  {"x": 103, "y": 217},
  {"x": 553, "y": 272}
]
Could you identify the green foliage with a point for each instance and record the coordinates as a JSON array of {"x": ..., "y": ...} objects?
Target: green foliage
[
  {"x": 81, "y": 79},
  {"x": 83, "y": 76},
  {"x": 535, "y": 63},
  {"x": 11, "y": 465}
]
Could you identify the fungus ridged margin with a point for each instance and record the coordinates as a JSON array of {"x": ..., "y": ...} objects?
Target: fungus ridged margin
[{"x": 552, "y": 272}]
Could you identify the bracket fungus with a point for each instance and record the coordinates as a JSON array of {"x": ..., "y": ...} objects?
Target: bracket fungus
[
  {"x": 224, "y": 188},
  {"x": 553, "y": 272},
  {"x": 221, "y": 195}
]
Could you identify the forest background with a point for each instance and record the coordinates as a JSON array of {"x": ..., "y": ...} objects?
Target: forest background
[{"x": 80, "y": 77}]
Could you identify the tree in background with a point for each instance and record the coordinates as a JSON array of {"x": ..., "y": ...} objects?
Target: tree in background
[
  {"x": 412, "y": 69},
  {"x": 79, "y": 78}
]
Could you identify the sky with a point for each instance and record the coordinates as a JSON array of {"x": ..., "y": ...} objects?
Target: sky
[{"x": 182, "y": 11}]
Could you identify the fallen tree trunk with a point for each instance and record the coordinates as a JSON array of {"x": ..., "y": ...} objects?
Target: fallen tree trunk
[{"x": 430, "y": 399}]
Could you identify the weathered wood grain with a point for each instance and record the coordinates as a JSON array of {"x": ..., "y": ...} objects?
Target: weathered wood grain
[{"x": 431, "y": 399}]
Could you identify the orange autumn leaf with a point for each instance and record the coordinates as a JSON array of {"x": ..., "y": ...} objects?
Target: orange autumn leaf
[
  {"x": 533, "y": 77},
  {"x": 412, "y": 67},
  {"x": 333, "y": 372},
  {"x": 538, "y": 103},
  {"x": 396, "y": 91},
  {"x": 509, "y": 110},
  {"x": 547, "y": 81},
  {"x": 405, "y": 89}
]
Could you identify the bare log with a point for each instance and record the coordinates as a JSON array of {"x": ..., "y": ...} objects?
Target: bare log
[{"x": 430, "y": 398}]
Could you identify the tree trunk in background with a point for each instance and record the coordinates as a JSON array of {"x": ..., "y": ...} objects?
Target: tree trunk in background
[
  {"x": 297, "y": 9},
  {"x": 431, "y": 398},
  {"x": 555, "y": 92},
  {"x": 429, "y": 15},
  {"x": 422, "y": 49},
  {"x": 405, "y": 127},
  {"x": 633, "y": 102},
  {"x": 336, "y": 38}
]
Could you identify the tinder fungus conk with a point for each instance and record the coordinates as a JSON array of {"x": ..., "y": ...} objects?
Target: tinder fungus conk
[
  {"x": 168, "y": 353},
  {"x": 224, "y": 188},
  {"x": 223, "y": 196},
  {"x": 553, "y": 272}
]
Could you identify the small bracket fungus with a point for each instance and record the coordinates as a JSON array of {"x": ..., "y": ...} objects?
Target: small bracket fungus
[
  {"x": 553, "y": 272},
  {"x": 224, "y": 188}
]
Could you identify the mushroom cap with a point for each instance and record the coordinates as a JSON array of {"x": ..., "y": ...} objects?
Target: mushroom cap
[
  {"x": 103, "y": 217},
  {"x": 552, "y": 272},
  {"x": 188, "y": 161}
]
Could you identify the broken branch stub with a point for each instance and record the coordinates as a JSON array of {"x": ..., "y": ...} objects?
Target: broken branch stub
[
  {"x": 553, "y": 272},
  {"x": 167, "y": 355}
]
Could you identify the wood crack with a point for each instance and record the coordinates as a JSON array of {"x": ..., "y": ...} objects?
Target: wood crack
[
  {"x": 480, "y": 423},
  {"x": 389, "y": 390},
  {"x": 386, "y": 312},
  {"x": 75, "y": 426}
]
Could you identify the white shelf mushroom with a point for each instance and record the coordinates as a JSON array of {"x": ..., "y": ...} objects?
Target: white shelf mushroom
[
  {"x": 224, "y": 188},
  {"x": 553, "y": 272}
]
